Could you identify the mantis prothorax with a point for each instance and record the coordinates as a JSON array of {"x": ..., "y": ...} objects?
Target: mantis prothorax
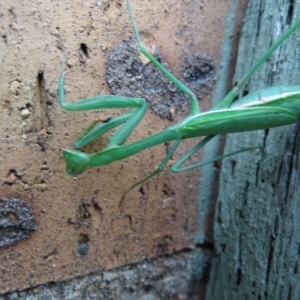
[{"x": 266, "y": 108}]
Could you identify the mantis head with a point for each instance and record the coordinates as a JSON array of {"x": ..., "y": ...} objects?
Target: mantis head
[{"x": 77, "y": 161}]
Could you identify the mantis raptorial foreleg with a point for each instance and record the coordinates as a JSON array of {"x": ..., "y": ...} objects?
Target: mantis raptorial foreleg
[
  {"x": 109, "y": 101},
  {"x": 129, "y": 120},
  {"x": 267, "y": 108},
  {"x": 97, "y": 129}
]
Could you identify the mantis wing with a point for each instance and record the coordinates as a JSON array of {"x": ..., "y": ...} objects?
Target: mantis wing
[{"x": 237, "y": 120}]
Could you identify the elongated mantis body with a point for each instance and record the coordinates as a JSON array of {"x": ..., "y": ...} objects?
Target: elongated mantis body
[{"x": 267, "y": 108}]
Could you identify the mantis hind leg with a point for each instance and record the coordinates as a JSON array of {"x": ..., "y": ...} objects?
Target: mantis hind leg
[
  {"x": 229, "y": 98},
  {"x": 195, "y": 109},
  {"x": 177, "y": 167},
  {"x": 158, "y": 170}
]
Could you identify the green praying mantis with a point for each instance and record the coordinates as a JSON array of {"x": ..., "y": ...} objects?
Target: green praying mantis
[{"x": 270, "y": 107}]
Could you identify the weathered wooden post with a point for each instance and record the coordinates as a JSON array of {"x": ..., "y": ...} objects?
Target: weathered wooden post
[{"x": 256, "y": 229}]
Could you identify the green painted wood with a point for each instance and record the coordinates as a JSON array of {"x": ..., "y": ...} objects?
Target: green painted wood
[{"x": 257, "y": 220}]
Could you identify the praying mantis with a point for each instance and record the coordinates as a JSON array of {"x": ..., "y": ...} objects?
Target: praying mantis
[{"x": 270, "y": 107}]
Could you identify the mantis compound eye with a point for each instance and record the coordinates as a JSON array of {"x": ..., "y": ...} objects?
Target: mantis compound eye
[{"x": 77, "y": 161}]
